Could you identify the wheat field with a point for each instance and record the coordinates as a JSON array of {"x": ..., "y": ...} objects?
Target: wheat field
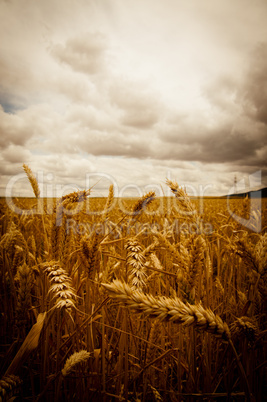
[{"x": 149, "y": 299}]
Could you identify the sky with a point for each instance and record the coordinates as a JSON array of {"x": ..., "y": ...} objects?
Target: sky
[{"x": 131, "y": 92}]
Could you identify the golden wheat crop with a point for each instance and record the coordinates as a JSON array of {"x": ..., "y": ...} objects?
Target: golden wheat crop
[{"x": 155, "y": 299}]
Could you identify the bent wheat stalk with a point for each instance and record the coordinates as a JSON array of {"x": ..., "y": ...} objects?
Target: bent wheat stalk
[
  {"x": 170, "y": 309},
  {"x": 173, "y": 309}
]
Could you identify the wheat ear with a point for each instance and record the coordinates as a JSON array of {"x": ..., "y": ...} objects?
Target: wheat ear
[
  {"x": 143, "y": 202},
  {"x": 9, "y": 385},
  {"x": 196, "y": 262},
  {"x": 170, "y": 309},
  {"x": 109, "y": 202},
  {"x": 76, "y": 196},
  {"x": 32, "y": 180},
  {"x": 60, "y": 285},
  {"x": 182, "y": 197},
  {"x": 135, "y": 261},
  {"x": 73, "y": 360},
  {"x": 24, "y": 278},
  {"x": 89, "y": 252}
]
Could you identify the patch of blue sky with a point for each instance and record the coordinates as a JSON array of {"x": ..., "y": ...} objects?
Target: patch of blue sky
[{"x": 9, "y": 107}]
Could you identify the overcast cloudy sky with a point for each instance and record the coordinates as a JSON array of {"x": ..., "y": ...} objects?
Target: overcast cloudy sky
[{"x": 132, "y": 92}]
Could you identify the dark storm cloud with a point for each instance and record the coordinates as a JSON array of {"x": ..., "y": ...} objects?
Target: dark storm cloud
[
  {"x": 176, "y": 91},
  {"x": 222, "y": 144},
  {"x": 254, "y": 89},
  {"x": 238, "y": 133},
  {"x": 228, "y": 146}
]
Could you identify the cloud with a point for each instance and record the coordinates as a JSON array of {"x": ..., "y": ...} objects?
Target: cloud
[
  {"x": 253, "y": 92},
  {"x": 238, "y": 106},
  {"x": 85, "y": 53},
  {"x": 76, "y": 89},
  {"x": 140, "y": 106},
  {"x": 226, "y": 142},
  {"x": 91, "y": 117},
  {"x": 14, "y": 129},
  {"x": 15, "y": 154},
  {"x": 118, "y": 89},
  {"x": 221, "y": 94}
]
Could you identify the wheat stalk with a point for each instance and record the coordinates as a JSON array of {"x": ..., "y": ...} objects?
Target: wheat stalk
[
  {"x": 32, "y": 180},
  {"x": 150, "y": 249},
  {"x": 183, "y": 198},
  {"x": 109, "y": 203},
  {"x": 60, "y": 285},
  {"x": 245, "y": 326},
  {"x": 152, "y": 339},
  {"x": 167, "y": 245},
  {"x": 170, "y": 309},
  {"x": 11, "y": 237},
  {"x": 24, "y": 278},
  {"x": 89, "y": 252},
  {"x": 135, "y": 260},
  {"x": 143, "y": 202},
  {"x": 18, "y": 258},
  {"x": 254, "y": 258},
  {"x": 246, "y": 251},
  {"x": 73, "y": 360},
  {"x": 76, "y": 196},
  {"x": 196, "y": 259},
  {"x": 9, "y": 385},
  {"x": 261, "y": 253},
  {"x": 30, "y": 343},
  {"x": 156, "y": 394},
  {"x": 156, "y": 262}
]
